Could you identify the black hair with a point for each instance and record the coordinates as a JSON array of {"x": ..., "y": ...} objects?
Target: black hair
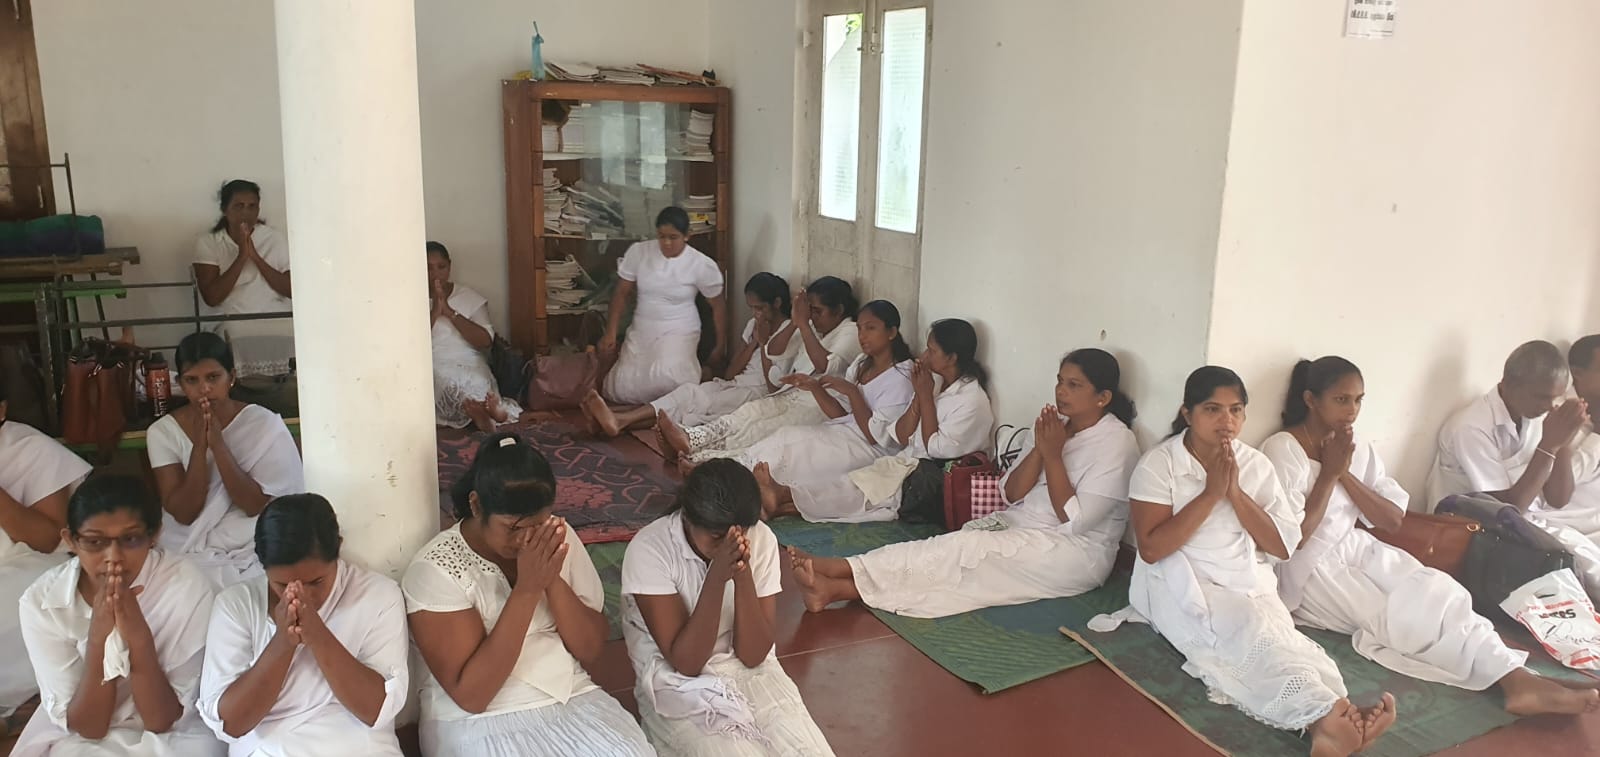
[
  {"x": 885, "y": 311},
  {"x": 225, "y": 198},
  {"x": 1534, "y": 363},
  {"x": 674, "y": 216},
  {"x": 1315, "y": 376},
  {"x": 1581, "y": 356},
  {"x": 203, "y": 345},
  {"x": 1203, "y": 383},
  {"x": 2, "y": 389},
  {"x": 510, "y": 477},
  {"x": 958, "y": 339},
  {"x": 1105, "y": 375},
  {"x": 295, "y": 527},
  {"x": 771, "y": 289},
  {"x": 435, "y": 248},
  {"x": 718, "y": 494},
  {"x": 101, "y": 495},
  {"x": 834, "y": 293}
]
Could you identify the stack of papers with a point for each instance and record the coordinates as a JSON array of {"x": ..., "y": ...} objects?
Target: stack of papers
[
  {"x": 567, "y": 285},
  {"x": 551, "y": 137},
  {"x": 555, "y": 200},
  {"x": 702, "y": 210},
  {"x": 571, "y": 71},
  {"x": 625, "y": 75},
  {"x": 697, "y": 139},
  {"x": 598, "y": 208},
  {"x": 574, "y": 134}
]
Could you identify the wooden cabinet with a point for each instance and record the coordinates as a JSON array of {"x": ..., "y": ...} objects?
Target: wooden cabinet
[{"x": 588, "y": 166}]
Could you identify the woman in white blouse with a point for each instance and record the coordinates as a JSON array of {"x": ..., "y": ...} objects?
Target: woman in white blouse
[
  {"x": 505, "y": 607},
  {"x": 37, "y": 475},
  {"x": 117, "y": 636},
  {"x": 948, "y": 416},
  {"x": 823, "y": 341},
  {"x": 1404, "y": 616},
  {"x": 746, "y": 379},
  {"x": 1068, "y": 496},
  {"x": 1211, "y": 520},
  {"x": 862, "y": 409},
  {"x": 464, "y": 389},
  {"x": 661, "y": 350},
  {"x": 311, "y": 658},
  {"x": 217, "y": 462},
  {"x": 699, "y": 603},
  {"x": 242, "y": 267}
]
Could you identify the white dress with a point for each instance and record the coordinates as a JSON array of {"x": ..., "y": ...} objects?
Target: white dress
[
  {"x": 264, "y": 347},
  {"x": 1406, "y": 617},
  {"x": 694, "y": 404},
  {"x": 1481, "y": 449},
  {"x": 872, "y": 492},
  {"x": 829, "y": 450},
  {"x": 729, "y": 710},
  {"x": 1035, "y": 556},
  {"x": 659, "y": 353},
  {"x": 221, "y": 541},
  {"x": 1582, "y": 513},
  {"x": 548, "y": 705},
  {"x": 33, "y": 466},
  {"x": 461, "y": 371},
  {"x": 366, "y": 614},
  {"x": 756, "y": 420},
  {"x": 1216, "y": 598},
  {"x": 176, "y": 602}
]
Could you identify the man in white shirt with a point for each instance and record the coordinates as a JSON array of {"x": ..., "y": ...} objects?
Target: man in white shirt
[
  {"x": 1577, "y": 504},
  {"x": 1516, "y": 445}
]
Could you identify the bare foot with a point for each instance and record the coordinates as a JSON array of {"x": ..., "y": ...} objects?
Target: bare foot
[
  {"x": 599, "y": 415},
  {"x": 1377, "y": 719},
  {"x": 479, "y": 415},
  {"x": 769, "y": 489},
  {"x": 797, "y": 556},
  {"x": 813, "y": 586},
  {"x": 686, "y": 466},
  {"x": 667, "y": 452},
  {"x": 497, "y": 412},
  {"x": 1527, "y": 693},
  {"x": 674, "y": 435},
  {"x": 1337, "y": 734}
]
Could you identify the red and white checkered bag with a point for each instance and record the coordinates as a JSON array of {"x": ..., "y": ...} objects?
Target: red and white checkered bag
[{"x": 987, "y": 499}]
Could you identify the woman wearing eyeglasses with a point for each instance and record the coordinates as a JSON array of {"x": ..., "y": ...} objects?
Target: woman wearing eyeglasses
[{"x": 117, "y": 635}]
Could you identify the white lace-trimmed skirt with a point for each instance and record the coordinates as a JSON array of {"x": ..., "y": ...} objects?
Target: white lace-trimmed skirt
[
  {"x": 459, "y": 380},
  {"x": 780, "y": 715},
  {"x": 592, "y": 724}
]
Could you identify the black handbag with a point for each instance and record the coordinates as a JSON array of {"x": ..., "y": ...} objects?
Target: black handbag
[
  {"x": 1508, "y": 552},
  {"x": 512, "y": 370},
  {"x": 922, "y": 493}
]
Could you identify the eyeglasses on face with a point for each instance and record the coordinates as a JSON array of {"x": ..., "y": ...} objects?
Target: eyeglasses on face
[{"x": 128, "y": 542}]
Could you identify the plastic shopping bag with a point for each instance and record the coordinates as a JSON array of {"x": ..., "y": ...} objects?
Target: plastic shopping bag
[{"x": 1558, "y": 612}]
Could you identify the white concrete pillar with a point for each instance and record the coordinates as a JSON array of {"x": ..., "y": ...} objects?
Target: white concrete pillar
[{"x": 352, "y": 158}]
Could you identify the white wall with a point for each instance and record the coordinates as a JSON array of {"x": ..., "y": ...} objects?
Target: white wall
[
  {"x": 1419, "y": 205},
  {"x": 753, "y": 49},
  {"x": 1074, "y": 181},
  {"x": 161, "y": 101}
]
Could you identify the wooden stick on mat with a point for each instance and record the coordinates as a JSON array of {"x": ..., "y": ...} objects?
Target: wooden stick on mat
[{"x": 1136, "y": 687}]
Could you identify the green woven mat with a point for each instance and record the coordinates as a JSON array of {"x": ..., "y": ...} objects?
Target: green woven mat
[
  {"x": 608, "y": 562},
  {"x": 996, "y": 648},
  {"x": 1433, "y": 716}
]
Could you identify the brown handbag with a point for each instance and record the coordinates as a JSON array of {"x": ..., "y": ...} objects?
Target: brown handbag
[
  {"x": 560, "y": 382},
  {"x": 98, "y": 398},
  {"x": 1437, "y": 541}
]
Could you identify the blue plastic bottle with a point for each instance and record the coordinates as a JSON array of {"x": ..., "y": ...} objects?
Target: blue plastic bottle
[{"x": 537, "y": 69}]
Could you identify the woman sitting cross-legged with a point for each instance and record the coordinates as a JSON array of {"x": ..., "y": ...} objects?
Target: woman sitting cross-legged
[
  {"x": 862, "y": 408},
  {"x": 1211, "y": 520},
  {"x": 949, "y": 416},
  {"x": 699, "y": 599},
  {"x": 1411, "y": 619},
  {"x": 1059, "y": 538},
  {"x": 117, "y": 635},
  {"x": 218, "y": 462},
  {"x": 822, "y": 338},
  {"x": 311, "y": 658},
  {"x": 464, "y": 389},
  {"x": 506, "y": 609},
  {"x": 748, "y": 378}
]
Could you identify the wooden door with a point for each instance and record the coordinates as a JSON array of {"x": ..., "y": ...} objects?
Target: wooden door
[{"x": 26, "y": 186}]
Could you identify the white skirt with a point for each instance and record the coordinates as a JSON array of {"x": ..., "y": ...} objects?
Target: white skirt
[
  {"x": 1411, "y": 619},
  {"x": 592, "y": 724},
  {"x": 650, "y": 366},
  {"x": 460, "y": 379},
  {"x": 735, "y": 432},
  {"x": 17, "y": 682},
  {"x": 695, "y": 404},
  {"x": 780, "y": 714},
  {"x": 972, "y": 569},
  {"x": 799, "y": 455},
  {"x": 1258, "y": 662}
]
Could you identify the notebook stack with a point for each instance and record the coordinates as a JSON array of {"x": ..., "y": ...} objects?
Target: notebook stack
[{"x": 565, "y": 282}]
